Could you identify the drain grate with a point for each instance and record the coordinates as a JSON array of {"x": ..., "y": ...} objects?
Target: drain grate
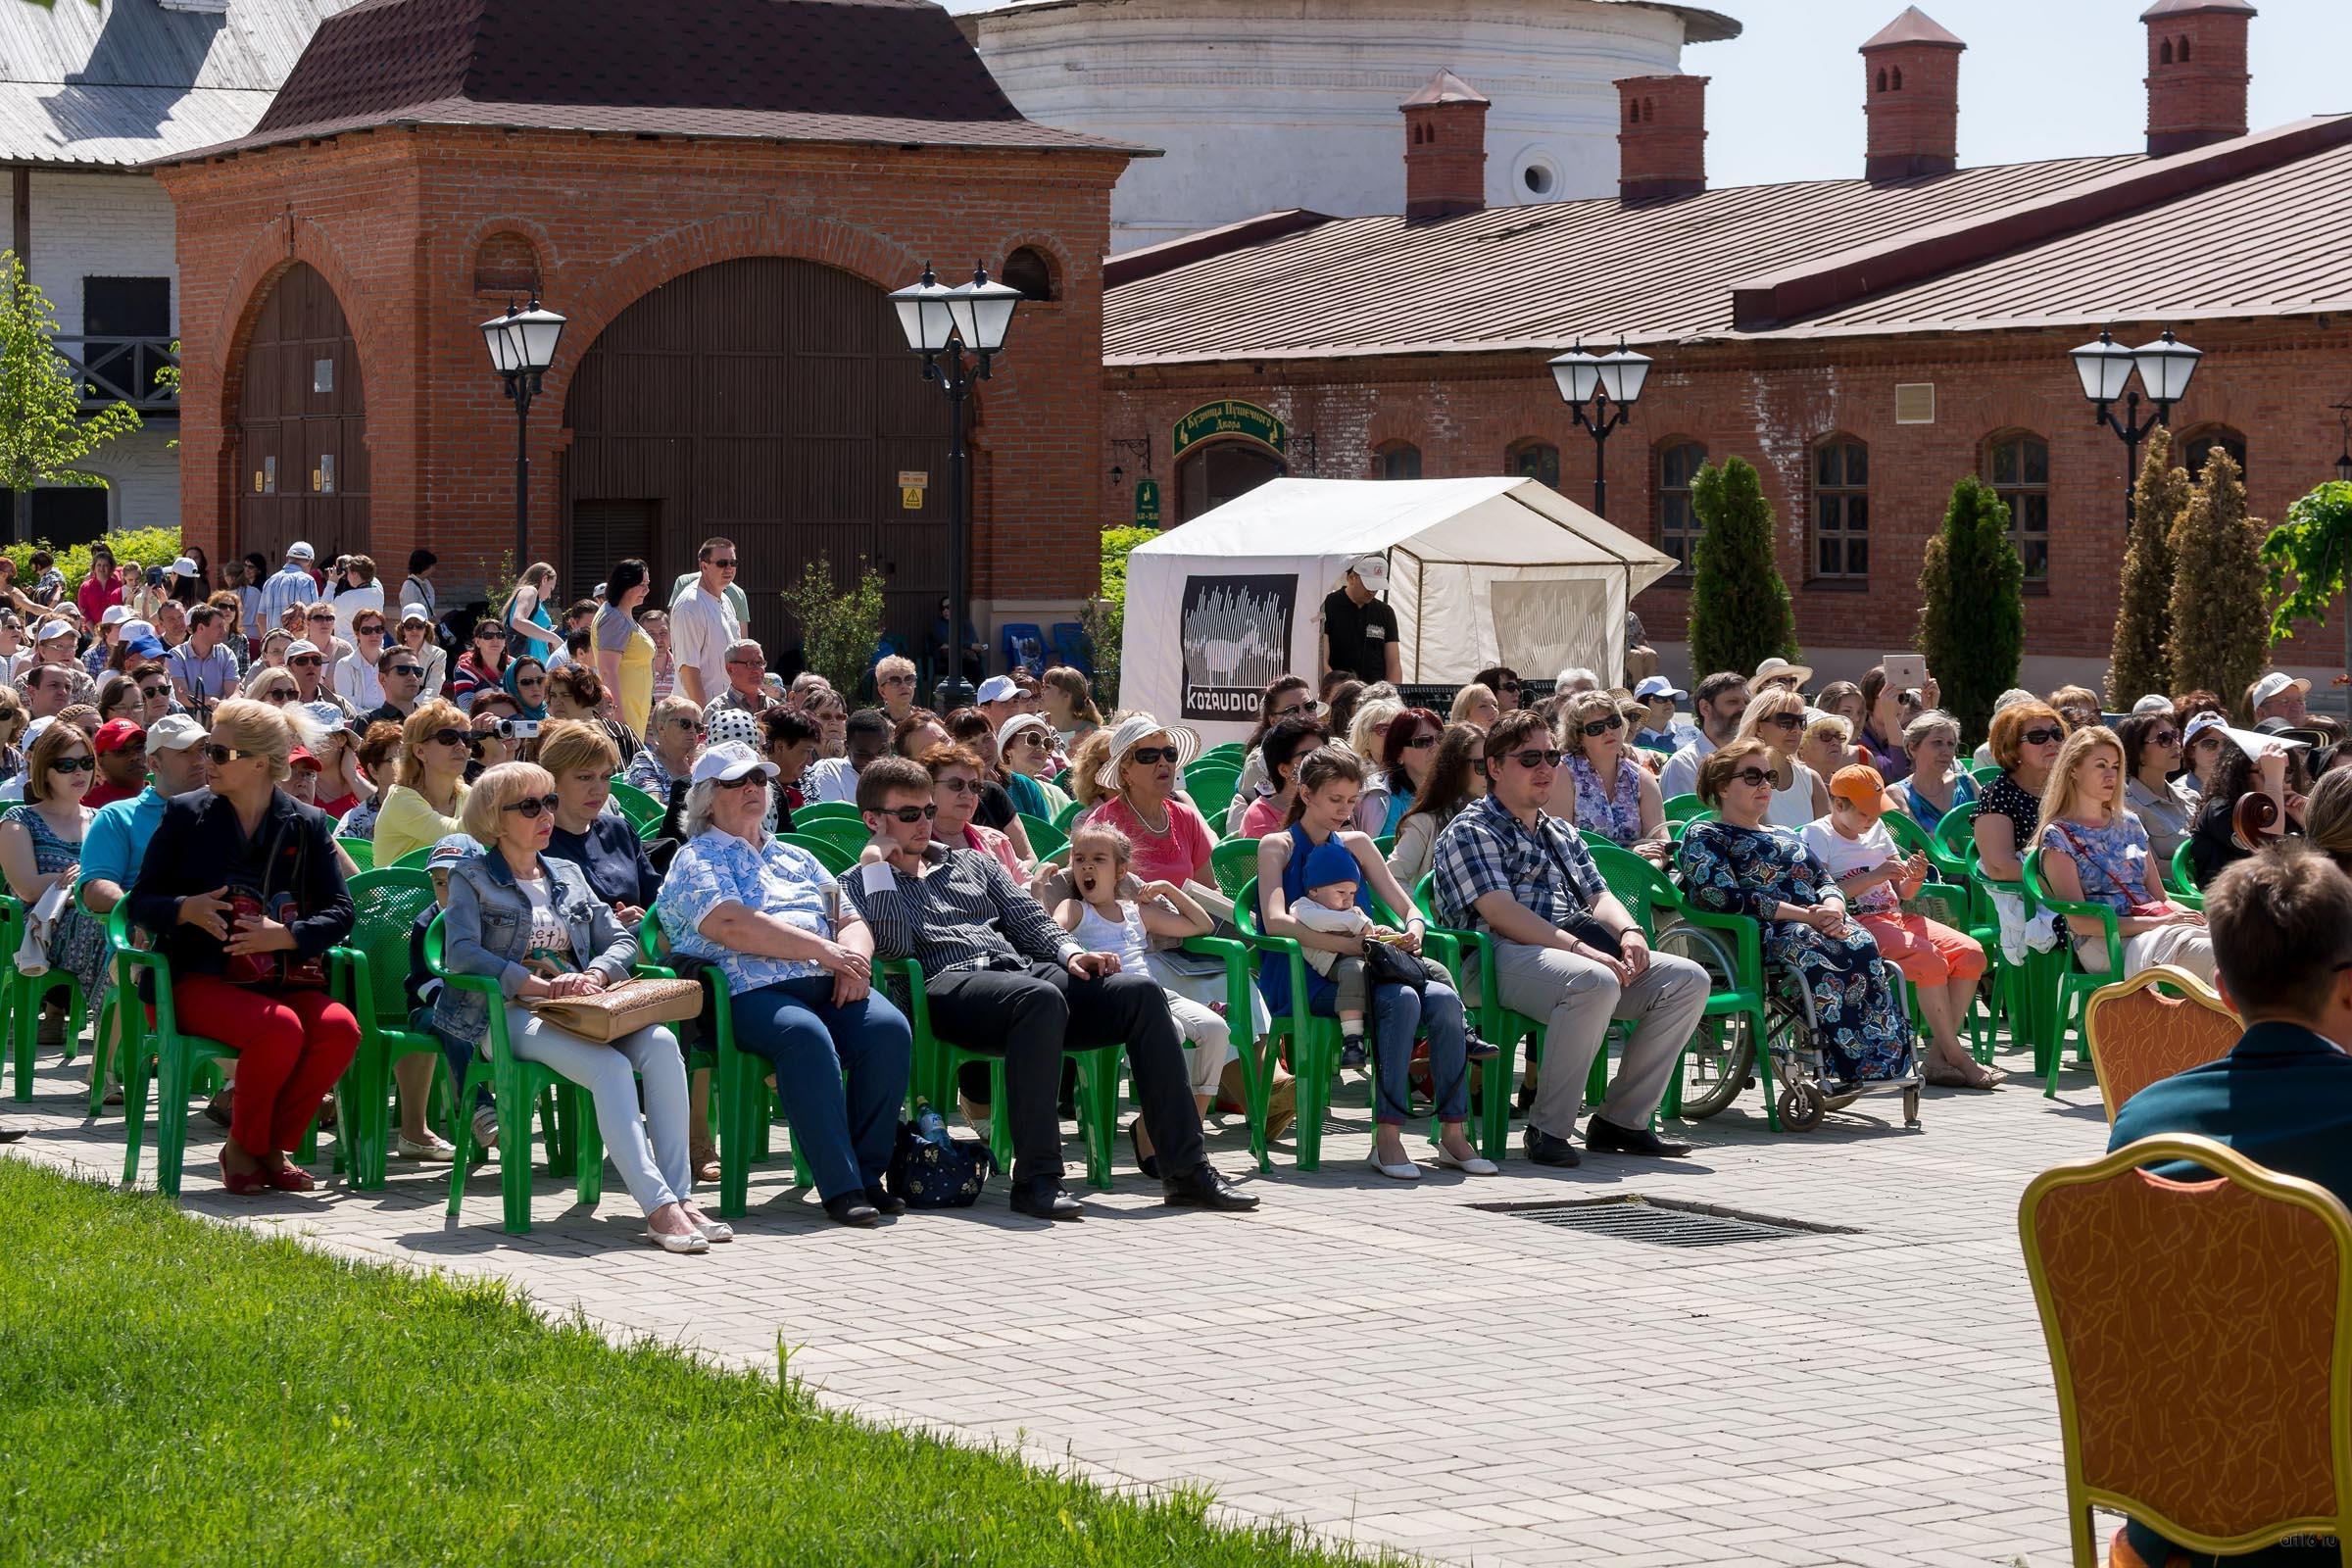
[{"x": 1642, "y": 1220}]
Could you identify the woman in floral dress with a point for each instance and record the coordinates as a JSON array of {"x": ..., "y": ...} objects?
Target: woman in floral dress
[
  {"x": 1615, "y": 795},
  {"x": 1740, "y": 864}
]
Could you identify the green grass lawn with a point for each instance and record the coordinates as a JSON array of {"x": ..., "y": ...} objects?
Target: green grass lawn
[{"x": 176, "y": 1392}]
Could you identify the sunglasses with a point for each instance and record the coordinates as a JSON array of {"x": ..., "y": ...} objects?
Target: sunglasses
[
  {"x": 1152, "y": 756},
  {"x": 692, "y": 726},
  {"x": 1421, "y": 743},
  {"x": 1295, "y": 711},
  {"x": 73, "y": 764},
  {"x": 306, "y": 661},
  {"x": 319, "y": 620},
  {"x": 410, "y": 670},
  {"x": 448, "y": 737},
  {"x": 898, "y": 680},
  {"x": 723, "y": 563},
  {"x": 1532, "y": 758},
  {"x": 959, "y": 786},
  {"x": 1601, "y": 726},
  {"x": 911, "y": 814},
  {"x": 1787, "y": 721},
  {"x": 744, "y": 782},
  {"x": 151, "y": 693},
  {"x": 2042, "y": 737},
  {"x": 490, "y": 634},
  {"x": 534, "y": 681},
  {"x": 221, "y": 755},
  {"x": 369, "y": 631},
  {"x": 1754, "y": 777},
  {"x": 1507, "y": 686},
  {"x": 1030, "y": 737},
  {"x": 531, "y": 810},
  {"x": 2165, "y": 737}
]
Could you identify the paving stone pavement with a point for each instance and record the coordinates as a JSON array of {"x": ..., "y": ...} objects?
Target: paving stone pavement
[{"x": 1399, "y": 1367}]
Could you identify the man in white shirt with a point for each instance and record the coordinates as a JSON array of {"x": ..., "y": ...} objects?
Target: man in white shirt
[
  {"x": 202, "y": 670},
  {"x": 704, "y": 623},
  {"x": 1718, "y": 702},
  {"x": 835, "y": 778},
  {"x": 291, "y": 584}
]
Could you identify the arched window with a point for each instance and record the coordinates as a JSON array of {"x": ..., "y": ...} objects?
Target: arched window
[
  {"x": 1882, "y": 79},
  {"x": 2018, "y": 465},
  {"x": 1842, "y": 510},
  {"x": 1679, "y": 462},
  {"x": 1534, "y": 460},
  {"x": 1633, "y": 111},
  {"x": 1028, "y": 271},
  {"x": 2184, "y": 48},
  {"x": 1899, "y": 78},
  {"x": 2164, "y": 53},
  {"x": 2199, "y": 443},
  {"x": 1396, "y": 459},
  {"x": 1650, "y": 110}
]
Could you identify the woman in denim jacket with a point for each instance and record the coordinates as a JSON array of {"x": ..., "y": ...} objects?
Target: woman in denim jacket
[{"x": 533, "y": 924}]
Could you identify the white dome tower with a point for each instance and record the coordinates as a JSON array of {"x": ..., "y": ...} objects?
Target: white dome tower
[{"x": 1260, "y": 107}]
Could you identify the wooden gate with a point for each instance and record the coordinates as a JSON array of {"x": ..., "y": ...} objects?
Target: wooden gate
[
  {"x": 771, "y": 401},
  {"x": 301, "y": 428}
]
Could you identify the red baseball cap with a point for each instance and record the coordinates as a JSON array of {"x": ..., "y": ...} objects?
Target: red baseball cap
[
  {"x": 302, "y": 757},
  {"x": 116, "y": 735}
]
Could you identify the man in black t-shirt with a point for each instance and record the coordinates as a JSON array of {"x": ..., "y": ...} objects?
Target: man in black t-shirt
[{"x": 1359, "y": 629}]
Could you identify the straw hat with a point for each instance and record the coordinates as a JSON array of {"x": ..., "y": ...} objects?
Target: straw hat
[{"x": 1133, "y": 731}]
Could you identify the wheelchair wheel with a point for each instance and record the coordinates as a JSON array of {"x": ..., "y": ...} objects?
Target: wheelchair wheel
[
  {"x": 1719, "y": 1065},
  {"x": 1802, "y": 1107},
  {"x": 1911, "y": 1108}
]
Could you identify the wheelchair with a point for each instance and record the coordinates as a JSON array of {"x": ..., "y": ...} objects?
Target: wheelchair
[{"x": 1720, "y": 1063}]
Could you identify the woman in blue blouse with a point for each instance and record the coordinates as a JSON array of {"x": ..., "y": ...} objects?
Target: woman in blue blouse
[
  {"x": 799, "y": 965},
  {"x": 1740, "y": 864}
]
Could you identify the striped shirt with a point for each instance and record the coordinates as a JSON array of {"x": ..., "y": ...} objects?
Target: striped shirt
[
  {"x": 963, "y": 912},
  {"x": 288, "y": 585}
]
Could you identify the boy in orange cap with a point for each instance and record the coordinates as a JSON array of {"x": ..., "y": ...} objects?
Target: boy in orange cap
[{"x": 1942, "y": 964}]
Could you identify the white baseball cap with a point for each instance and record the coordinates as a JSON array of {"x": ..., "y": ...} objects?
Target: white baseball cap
[
  {"x": 184, "y": 566},
  {"x": 731, "y": 760},
  {"x": 1019, "y": 722},
  {"x": 53, "y": 628},
  {"x": 997, "y": 689},
  {"x": 174, "y": 732},
  {"x": 301, "y": 551},
  {"x": 115, "y": 615},
  {"x": 2153, "y": 702},
  {"x": 1658, "y": 686},
  {"x": 2275, "y": 684},
  {"x": 1371, "y": 570},
  {"x": 303, "y": 645}
]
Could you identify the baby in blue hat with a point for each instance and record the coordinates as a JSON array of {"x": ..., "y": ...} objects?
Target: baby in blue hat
[{"x": 1334, "y": 906}]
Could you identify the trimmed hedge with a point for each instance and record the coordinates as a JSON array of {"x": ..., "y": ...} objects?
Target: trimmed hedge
[{"x": 149, "y": 547}]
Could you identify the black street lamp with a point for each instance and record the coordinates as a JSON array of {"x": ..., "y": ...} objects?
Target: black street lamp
[
  {"x": 2164, "y": 367},
  {"x": 1589, "y": 383},
  {"x": 522, "y": 345},
  {"x": 942, "y": 324},
  {"x": 2343, "y": 465}
]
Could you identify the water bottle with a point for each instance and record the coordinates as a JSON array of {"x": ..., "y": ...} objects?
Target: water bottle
[{"x": 929, "y": 1125}]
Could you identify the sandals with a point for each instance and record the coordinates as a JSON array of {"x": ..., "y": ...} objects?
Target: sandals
[
  {"x": 688, "y": 1241},
  {"x": 290, "y": 1178}
]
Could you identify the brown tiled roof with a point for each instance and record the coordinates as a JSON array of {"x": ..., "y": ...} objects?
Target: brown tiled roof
[
  {"x": 2243, "y": 227},
  {"x": 1446, "y": 88},
  {"x": 1914, "y": 25},
  {"x": 872, "y": 71}
]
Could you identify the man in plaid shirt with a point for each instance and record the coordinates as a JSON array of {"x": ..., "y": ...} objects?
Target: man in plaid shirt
[
  {"x": 1567, "y": 954},
  {"x": 1000, "y": 977}
]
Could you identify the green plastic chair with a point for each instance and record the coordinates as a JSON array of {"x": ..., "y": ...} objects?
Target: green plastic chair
[
  {"x": 635, "y": 804},
  {"x": 2071, "y": 980},
  {"x": 1509, "y": 1031},
  {"x": 1068, "y": 815},
  {"x": 848, "y": 837},
  {"x": 1958, "y": 905},
  {"x": 372, "y": 984},
  {"x": 23, "y": 994},
  {"x": 1211, "y": 789},
  {"x": 571, "y": 1133},
  {"x": 1045, "y": 838},
  {"x": 2181, "y": 879},
  {"x": 827, "y": 811},
  {"x": 829, "y": 854},
  {"x": 159, "y": 1046},
  {"x": 1233, "y": 863},
  {"x": 1681, "y": 808},
  {"x": 936, "y": 1061},
  {"x": 1233, "y": 751},
  {"x": 360, "y": 851},
  {"x": 415, "y": 860}
]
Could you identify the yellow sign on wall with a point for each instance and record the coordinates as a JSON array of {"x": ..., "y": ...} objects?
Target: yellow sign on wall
[{"x": 910, "y": 497}]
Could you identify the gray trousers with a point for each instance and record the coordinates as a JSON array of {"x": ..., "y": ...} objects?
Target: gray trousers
[{"x": 1575, "y": 999}]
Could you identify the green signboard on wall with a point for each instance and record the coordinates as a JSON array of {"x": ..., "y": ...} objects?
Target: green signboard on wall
[
  {"x": 1228, "y": 416},
  {"x": 1146, "y": 502}
]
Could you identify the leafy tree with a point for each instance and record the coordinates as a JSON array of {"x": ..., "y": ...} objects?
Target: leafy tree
[
  {"x": 2314, "y": 548},
  {"x": 1106, "y": 614},
  {"x": 43, "y": 434},
  {"x": 839, "y": 631},
  {"x": 2221, "y": 619},
  {"x": 1740, "y": 610},
  {"x": 2141, "y": 661},
  {"x": 1971, "y": 616}
]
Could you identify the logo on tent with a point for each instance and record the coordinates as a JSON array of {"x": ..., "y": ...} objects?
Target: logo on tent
[{"x": 1236, "y": 638}]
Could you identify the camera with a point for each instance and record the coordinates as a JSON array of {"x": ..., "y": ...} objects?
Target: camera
[
  {"x": 155, "y": 576},
  {"x": 518, "y": 729}
]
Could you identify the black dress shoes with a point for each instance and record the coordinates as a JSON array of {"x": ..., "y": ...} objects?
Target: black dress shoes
[
  {"x": 1045, "y": 1200},
  {"x": 1202, "y": 1187},
  {"x": 1607, "y": 1137},
  {"x": 884, "y": 1203},
  {"x": 1546, "y": 1149},
  {"x": 851, "y": 1209}
]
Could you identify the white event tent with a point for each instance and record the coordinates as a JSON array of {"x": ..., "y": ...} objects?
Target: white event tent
[{"x": 1480, "y": 572}]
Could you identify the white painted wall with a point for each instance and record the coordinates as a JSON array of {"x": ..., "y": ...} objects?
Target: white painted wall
[
  {"x": 142, "y": 477},
  {"x": 99, "y": 226},
  {"x": 1259, "y": 107}
]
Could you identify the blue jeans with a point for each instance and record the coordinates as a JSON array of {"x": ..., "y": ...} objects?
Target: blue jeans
[
  {"x": 1398, "y": 1015},
  {"x": 840, "y": 1071}
]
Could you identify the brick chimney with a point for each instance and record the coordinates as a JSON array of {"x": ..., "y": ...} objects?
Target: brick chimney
[
  {"x": 1913, "y": 72},
  {"x": 1661, "y": 138},
  {"x": 1444, "y": 149},
  {"x": 2196, "y": 73}
]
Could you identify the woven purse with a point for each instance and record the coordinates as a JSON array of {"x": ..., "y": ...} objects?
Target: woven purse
[{"x": 620, "y": 1010}]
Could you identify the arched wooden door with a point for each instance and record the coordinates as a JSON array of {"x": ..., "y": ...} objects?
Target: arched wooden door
[
  {"x": 771, "y": 401},
  {"x": 302, "y": 425},
  {"x": 1212, "y": 474}
]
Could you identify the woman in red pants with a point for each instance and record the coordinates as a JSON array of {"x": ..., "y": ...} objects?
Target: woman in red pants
[{"x": 244, "y": 892}]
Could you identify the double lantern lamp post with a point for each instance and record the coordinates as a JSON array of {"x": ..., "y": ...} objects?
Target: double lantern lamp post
[
  {"x": 1593, "y": 385},
  {"x": 2165, "y": 368}
]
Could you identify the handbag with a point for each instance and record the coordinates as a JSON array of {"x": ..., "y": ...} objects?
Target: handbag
[
  {"x": 287, "y": 970},
  {"x": 923, "y": 1174},
  {"x": 1385, "y": 964},
  {"x": 1581, "y": 923},
  {"x": 619, "y": 1012}
]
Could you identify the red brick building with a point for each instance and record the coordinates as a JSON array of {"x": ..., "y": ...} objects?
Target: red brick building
[
  {"x": 718, "y": 205},
  {"x": 1864, "y": 342}
]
